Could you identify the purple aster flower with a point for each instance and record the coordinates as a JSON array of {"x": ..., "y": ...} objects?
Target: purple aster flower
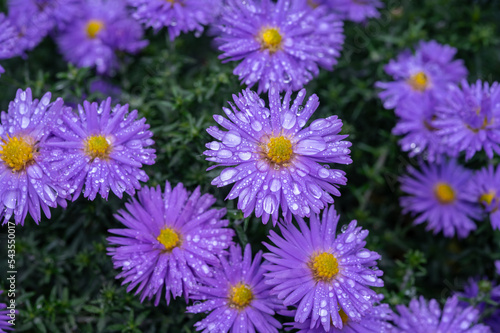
[
  {"x": 376, "y": 320},
  {"x": 281, "y": 43},
  {"x": 416, "y": 118},
  {"x": 485, "y": 293},
  {"x": 103, "y": 148},
  {"x": 236, "y": 296},
  {"x": 170, "y": 240},
  {"x": 322, "y": 273},
  {"x": 485, "y": 188},
  {"x": 8, "y": 40},
  {"x": 424, "y": 317},
  {"x": 102, "y": 28},
  {"x": 353, "y": 10},
  {"x": 25, "y": 180},
  {"x": 276, "y": 160},
  {"x": 177, "y": 15},
  {"x": 497, "y": 265},
  {"x": 438, "y": 194},
  {"x": 466, "y": 119},
  {"x": 4, "y": 318},
  {"x": 430, "y": 71}
]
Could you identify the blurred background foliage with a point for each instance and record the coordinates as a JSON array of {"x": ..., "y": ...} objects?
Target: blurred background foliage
[{"x": 66, "y": 282}]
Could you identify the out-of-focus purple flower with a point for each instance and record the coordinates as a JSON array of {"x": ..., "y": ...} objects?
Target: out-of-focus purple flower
[
  {"x": 102, "y": 28},
  {"x": 278, "y": 162},
  {"x": 236, "y": 296},
  {"x": 281, "y": 43},
  {"x": 467, "y": 119},
  {"x": 497, "y": 265},
  {"x": 177, "y": 15},
  {"x": 101, "y": 148},
  {"x": 430, "y": 71},
  {"x": 170, "y": 240},
  {"x": 376, "y": 320},
  {"x": 25, "y": 180},
  {"x": 352, "y": 10},
  {"x": 416, "y": 118},
  {"x": 8, "y": 40},
  {"x": 424, "y": 317},
  {"x": 322, "y": 273},
  {"x": 485, "y": 188},
  {"x": 4, "y": 318},
  {"x": 438, "y": 195},
  {"x": 484, "y": 290}
]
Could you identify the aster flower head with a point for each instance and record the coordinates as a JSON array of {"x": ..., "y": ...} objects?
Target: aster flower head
[
  {"x": 424, "y": 317},
  {"x": 101, "y": 148},
  {"x": 497, "y": 265},
  {"x": 26, "y": 184},
  {"x": 438, "y": 194},
  {"x": 8, "y": 40},
  {"x": 353, "y": 10},
  {"x": 322, "y": 273},
  {"x": 483, "y": 293},
  {"x": 4, "y": 318},
  {"x": 376, "y": 320},
  {"x": 273, "y": 159},
  {"x": 177, "y": 15},
  {"x": 236, "y": 296},
  {"x": 416, "y": 123},
  {"x": 102, "y": 28},
  {"x": 170, "y": 240},
  {"x": 430, "y": 71},
  {"x": 485, "y": 188},
  {"x": 466, "y": 119},
  {"x": 282, "y": 43}
]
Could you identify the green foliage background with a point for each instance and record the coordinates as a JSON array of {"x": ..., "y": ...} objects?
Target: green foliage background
[{"x": 66, "y": 282}]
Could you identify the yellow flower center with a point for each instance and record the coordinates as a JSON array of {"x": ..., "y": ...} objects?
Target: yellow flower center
[
  {"x": 343, "y": 316},
  {"x": 444, "y": 193},
  {"x": 312, "y": 4},
  {"x": 93, "y": 28},
  {"x": 487, "y": 197},
  {"x": 324, "y": 266},
  {"x": 17, "y": 152},
  {"x": 271, "y": 39},
  {"x": 240, "y": 296},
  {"x": 169, "y": 238},
  {"x": 419, "y": 81},
  {"x": 97, "y": 146},
  {"x": 279, "y": 149}
]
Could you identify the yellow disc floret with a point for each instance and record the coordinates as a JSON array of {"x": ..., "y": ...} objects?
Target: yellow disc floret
[
  {"x": 419, "y": 81},
  {"x": 271, "y": 39},
  {"x": 97, "y": 146},
  {"x": 169, "y": 238},
  {"x": 444, "y": 193},
  {"x": 240, "y": 296},
  {"x": 279, "y": 149},
  {"x": 324, "y": 266},
  {"x": 17, "y": 152},
  {"x": 93, "y": 28},
  {"x": 487, "y": 198}
]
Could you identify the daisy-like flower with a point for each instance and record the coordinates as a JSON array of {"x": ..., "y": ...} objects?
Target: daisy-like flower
[
  {"x": 415, "y": 123},
  {"x": 352, "y": 10},
  {"x": 484, "y": 293},
  {"x": 4, "y": 318},
  {"x": 280, "y": 43},
  {"x": 430, "y": 71},
  {"x": 467, "y": 119},
  {"x": 25, "y": 181},
  {"x": 322, "y": 273},
  {"x": 236, "y": 296},
  {"x": 102, "y": 28},
  {"x": 439, "y": 195},
  {"x": 374, "y": 321},
  {"x": 177, "y": 15},
  {"x": 101, "y": 148},
  {"x": 8, "y": 40},
  {"x": 485, "y": 188},
  {"x": 424, "y": 317},
  {"x": 170, "y": 240},
  {"x": 277, "y": 160}
]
